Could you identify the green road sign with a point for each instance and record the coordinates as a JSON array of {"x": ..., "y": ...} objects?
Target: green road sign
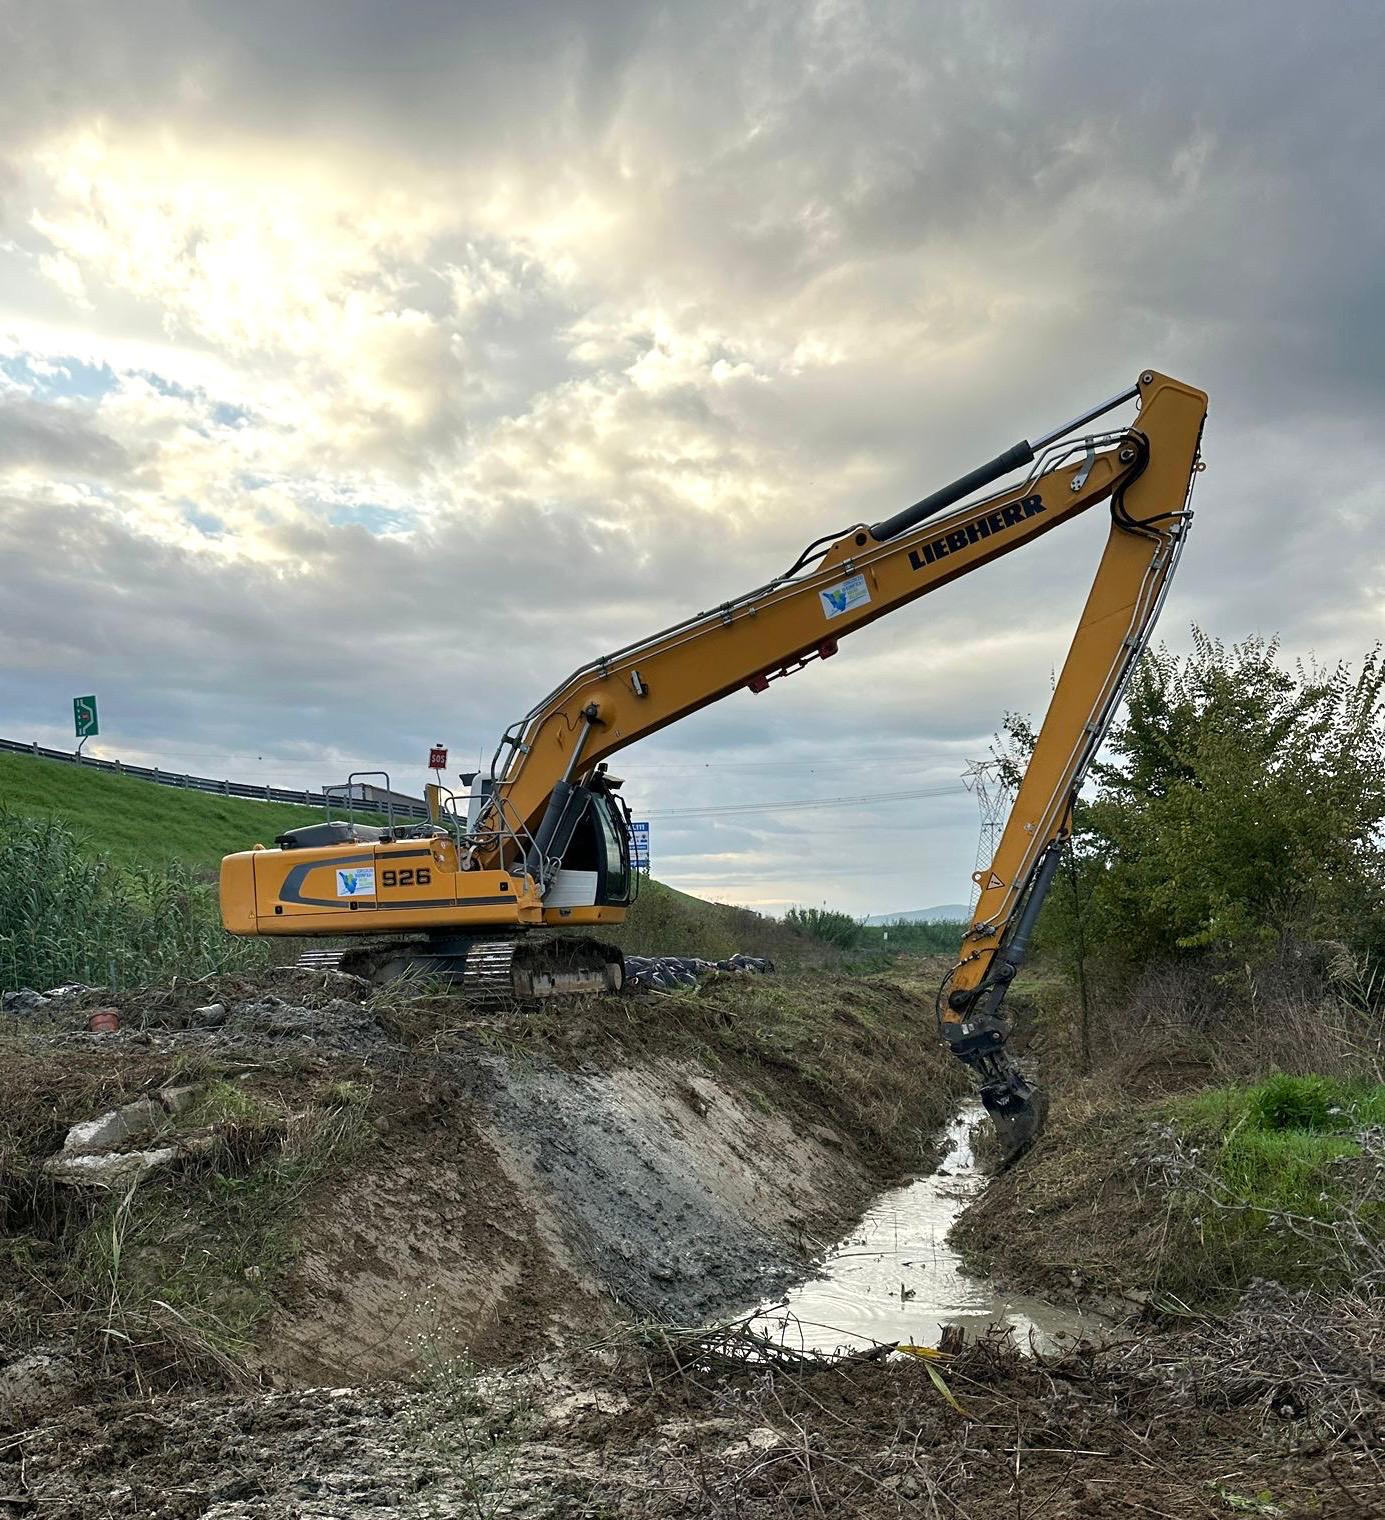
[{"x": 84, "y": 717}]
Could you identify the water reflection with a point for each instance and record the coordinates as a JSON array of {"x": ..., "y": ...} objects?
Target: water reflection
[{"x": 895, "y": 1278}]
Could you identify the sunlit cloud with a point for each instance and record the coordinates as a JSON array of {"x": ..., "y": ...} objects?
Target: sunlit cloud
[{"x": 362, "y": 371}]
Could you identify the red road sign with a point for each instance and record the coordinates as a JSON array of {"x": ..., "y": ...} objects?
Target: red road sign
[{"x": 437, "y": 758}]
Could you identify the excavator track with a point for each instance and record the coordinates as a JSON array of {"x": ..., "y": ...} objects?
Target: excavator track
[{"x": 534, "y": 968}]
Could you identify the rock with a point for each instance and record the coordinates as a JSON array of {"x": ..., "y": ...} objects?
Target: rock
[
  {"x": 694, "y": 1100},
  {"x": 67, "y": 990},
  {"x": 210, "y": 1016},
  {"x": 175, "y": 1099},
  {"x": 114, "y": 1170},
  {"x": 763, "y": 1438},
  {"x": 121, "y": 1124},
  {"x": 26, "y": 1000}
]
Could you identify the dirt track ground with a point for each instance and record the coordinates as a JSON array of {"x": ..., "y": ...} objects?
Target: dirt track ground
[
  {"x": 607, "y": 1434},
  {"x": 463, "y": 1274}
]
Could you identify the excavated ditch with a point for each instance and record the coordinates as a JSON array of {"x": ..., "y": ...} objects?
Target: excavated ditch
[
  {"x": 896, "y": 1277},
  {"x": 445, "y": 1324},
  {"x": 511, "y": 1179}
]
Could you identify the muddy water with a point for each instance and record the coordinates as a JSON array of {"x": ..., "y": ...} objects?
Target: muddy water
[{"x": 895, "y": 1278}]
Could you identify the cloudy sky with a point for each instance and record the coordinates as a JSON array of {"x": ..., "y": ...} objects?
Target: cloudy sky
[{"x": 366, "y": 367}]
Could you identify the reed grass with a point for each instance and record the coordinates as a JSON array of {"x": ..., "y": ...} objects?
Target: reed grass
[{"x": 69, "y": 914}]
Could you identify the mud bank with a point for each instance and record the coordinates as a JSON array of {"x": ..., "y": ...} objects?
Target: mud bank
[
  {"x": 351, "y": 1185},
  {"x": 1250, "y": 1416},
  {"x": 1080, "y": 1218}
]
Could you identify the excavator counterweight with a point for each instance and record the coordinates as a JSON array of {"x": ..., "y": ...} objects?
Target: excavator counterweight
[{"x": 542, "y": 843}]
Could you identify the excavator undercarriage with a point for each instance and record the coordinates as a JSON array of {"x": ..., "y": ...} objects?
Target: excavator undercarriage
[{"x": 485, "y": 970}]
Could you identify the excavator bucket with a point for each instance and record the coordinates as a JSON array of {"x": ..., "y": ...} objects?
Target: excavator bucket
[{"x": 1018, "y": 1119}]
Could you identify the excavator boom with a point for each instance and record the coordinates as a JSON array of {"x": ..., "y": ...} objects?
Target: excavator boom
[{"x": 543, "y": 842}]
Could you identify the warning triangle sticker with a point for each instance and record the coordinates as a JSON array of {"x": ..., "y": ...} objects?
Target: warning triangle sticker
[{"x": 994, "y": 882}]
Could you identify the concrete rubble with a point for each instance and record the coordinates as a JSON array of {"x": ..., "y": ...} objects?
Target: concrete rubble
[{"x": 98, "y": 1153}]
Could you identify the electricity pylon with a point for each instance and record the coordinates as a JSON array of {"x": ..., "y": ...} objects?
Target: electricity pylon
[{"x": 993, "y": 799}]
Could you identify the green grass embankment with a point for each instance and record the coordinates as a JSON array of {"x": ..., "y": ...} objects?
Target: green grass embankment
[
  {"x": 136, "y": 822},
  {"x": 1282, "y": 1186},
  {"x": 1191, "y": 1197}
]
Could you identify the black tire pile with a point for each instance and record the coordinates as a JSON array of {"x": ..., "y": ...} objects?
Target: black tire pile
[{"x": 668, "y": 973}]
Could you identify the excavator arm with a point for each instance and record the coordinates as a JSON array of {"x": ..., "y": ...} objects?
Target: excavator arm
[
  {"x": 843, "y": 583},
  {"x": 540, "y": 848},
  {"x": 1150, "y": 517}
]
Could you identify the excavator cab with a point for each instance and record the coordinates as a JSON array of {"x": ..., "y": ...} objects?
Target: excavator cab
[{"x": 595, "y": 870}]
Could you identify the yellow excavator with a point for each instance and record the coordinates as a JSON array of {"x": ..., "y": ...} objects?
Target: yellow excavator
[{"x": 542, "y": 842}]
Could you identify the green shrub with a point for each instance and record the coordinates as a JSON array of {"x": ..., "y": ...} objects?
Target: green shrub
[
  {"x": 1239, "y": 806},
  {"x": 823, "y": 924},
  {"x": 1309, "y": 1103},
  {"x": 940, "y": 937}
]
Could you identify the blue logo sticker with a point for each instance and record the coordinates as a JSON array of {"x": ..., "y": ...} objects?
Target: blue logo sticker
[
  {"x": 845, "y": 597},
  {"x": 357, "y": 883}
]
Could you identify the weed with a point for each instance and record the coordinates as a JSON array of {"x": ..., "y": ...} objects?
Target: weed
[
  {"x": 66, "y": 915},
  {"x": 227, "y": 1103},
  {"x": 346, "y": 1094},
  {"x": 1277, "y": 1179},
  {"x": 467, "y": 1422},
  {"x": 194, "y": 1259}
]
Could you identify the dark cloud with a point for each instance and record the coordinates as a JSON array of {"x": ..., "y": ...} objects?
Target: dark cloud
[{"x": 56, "y": 438}]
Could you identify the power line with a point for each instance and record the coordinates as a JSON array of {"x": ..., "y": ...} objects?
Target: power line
[
  {"x": 984, "y": 777},
  {"x": 805, "y": 803}
]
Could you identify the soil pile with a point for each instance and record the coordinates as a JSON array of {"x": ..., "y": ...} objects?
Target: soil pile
[{"x": 346, "y": 1177}]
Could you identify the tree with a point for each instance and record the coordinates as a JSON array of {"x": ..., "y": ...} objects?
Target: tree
[
  {"x": 824, "y": 924},
  {"x": 1239, "y": 802}
]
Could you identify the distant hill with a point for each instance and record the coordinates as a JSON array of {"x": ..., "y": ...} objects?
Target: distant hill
[{"x": 947, "y": 913}]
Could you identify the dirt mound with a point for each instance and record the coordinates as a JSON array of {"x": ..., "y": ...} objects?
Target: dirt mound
[{"x": 347, "y": 1178}]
